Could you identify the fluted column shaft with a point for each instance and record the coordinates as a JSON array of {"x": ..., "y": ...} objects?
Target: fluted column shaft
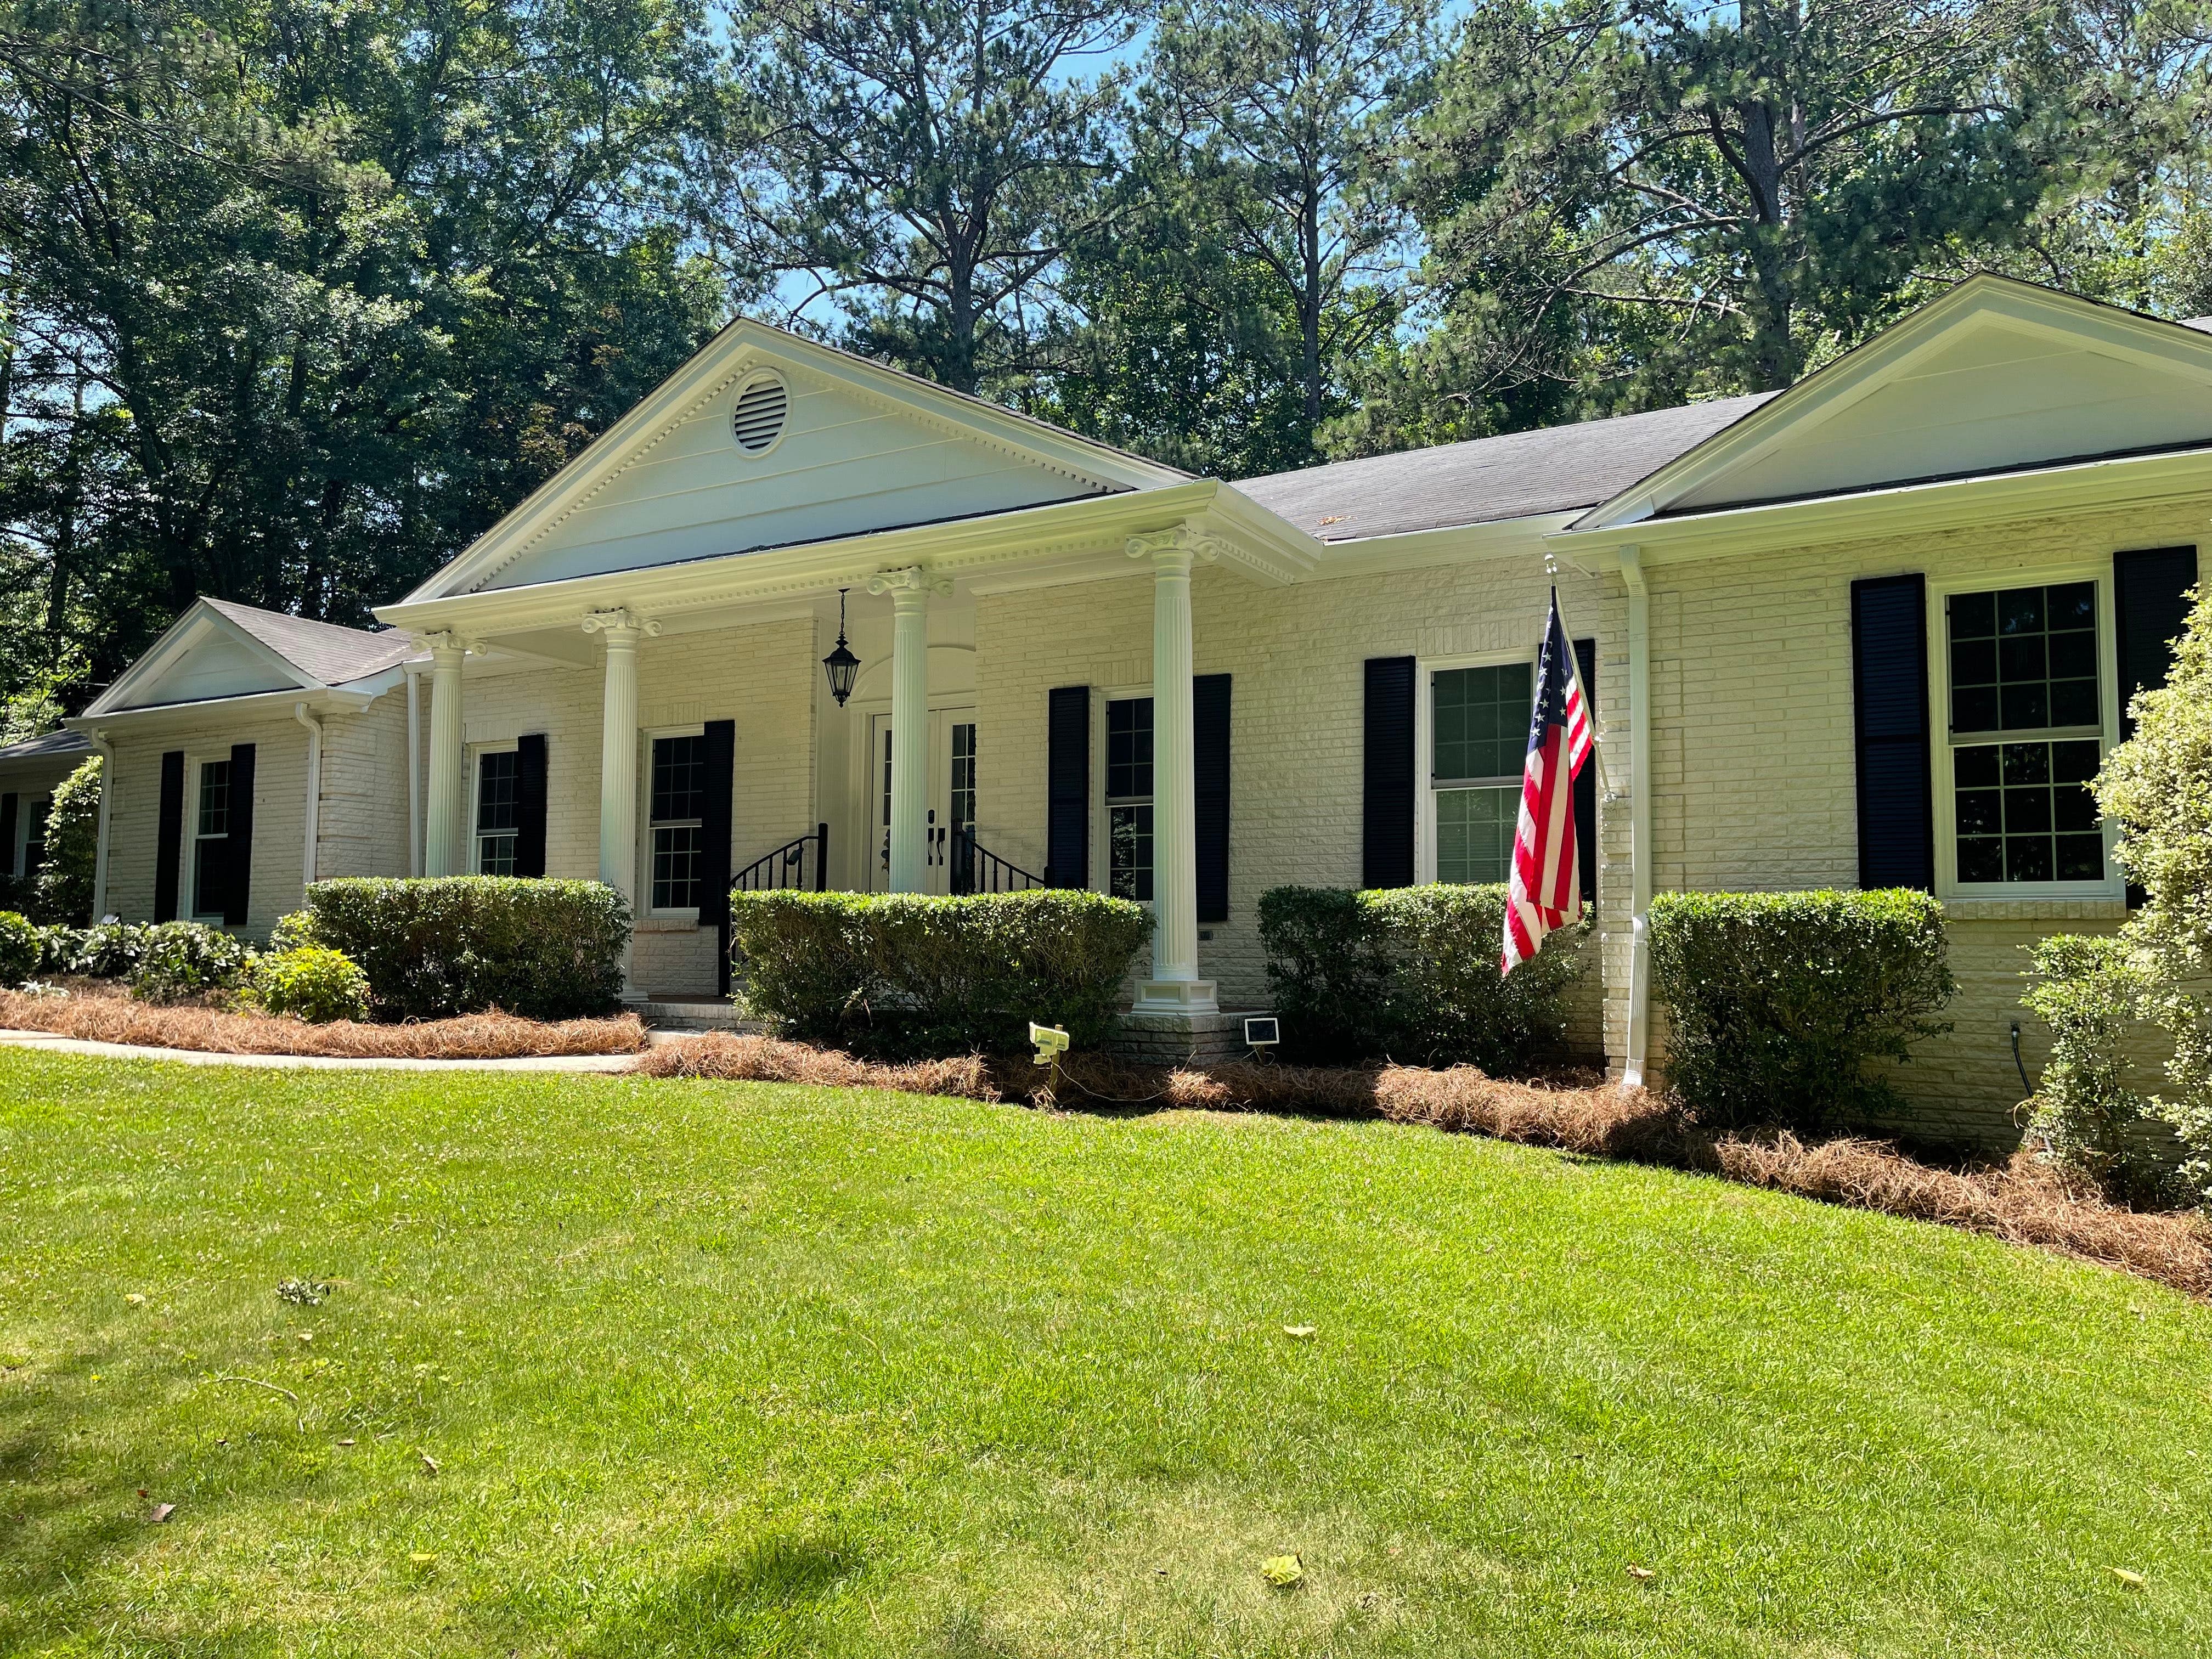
[
  {"x": 909, "y": 590},
  {"x": 446, "y": 843},
  {"x": 1174, "y": 983}
]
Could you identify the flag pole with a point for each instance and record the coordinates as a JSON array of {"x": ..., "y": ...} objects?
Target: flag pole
[{"x": 1575, "y": 665}]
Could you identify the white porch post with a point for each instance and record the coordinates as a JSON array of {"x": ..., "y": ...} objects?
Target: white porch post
[
  {"x": 444, "y": 853},
  {"x": 909, "y": 589},
  {"x": 1175, "y": 986},
  {"x": 621, "y": 631}
]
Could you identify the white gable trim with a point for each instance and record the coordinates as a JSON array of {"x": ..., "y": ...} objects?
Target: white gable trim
[
  {"x": 740, "y": 351},
  {"x": 2163, "y": 346},
  {"x": 198, "y": 624}
]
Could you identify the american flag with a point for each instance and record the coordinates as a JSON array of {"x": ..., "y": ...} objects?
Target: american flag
[{"x": 1545, "y": 890}]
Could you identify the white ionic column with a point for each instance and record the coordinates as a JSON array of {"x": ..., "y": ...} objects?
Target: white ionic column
[
  {"x": 621, "y": 631},
  {"x": 1175, "y": 986},
  {"x": 909, "y": 589},
  {"x": 446, "y": 843}
]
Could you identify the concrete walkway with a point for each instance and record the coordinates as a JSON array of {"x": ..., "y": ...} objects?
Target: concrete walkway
[{"x": 320, "y": 1062}]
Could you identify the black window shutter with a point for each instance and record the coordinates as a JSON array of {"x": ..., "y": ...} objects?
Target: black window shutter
[
  {"x": 719, "y": 749},
  {"x": 2150, "y": 609},
  {"x": 1386, "y": 817},
  {"x": 8, "y": 834},
  {"x": 1209, "y": 706},
  {"x": 530, "y": 804},
  {"x": 238, "y": 853},
  {"x": 1068, "y": 788},
  {"x": 1889, "y": 676},
  {"x": 169, "y": 837},
  {"x": 1586, "y": 785}
]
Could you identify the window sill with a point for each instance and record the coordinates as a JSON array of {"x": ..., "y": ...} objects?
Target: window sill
[
  {"x": 2035, "y": 909},
  {"x": 686, "y": 923}
]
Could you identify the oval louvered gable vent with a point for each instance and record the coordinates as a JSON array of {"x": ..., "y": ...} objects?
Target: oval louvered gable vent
[{"x": 757, "y": 422}]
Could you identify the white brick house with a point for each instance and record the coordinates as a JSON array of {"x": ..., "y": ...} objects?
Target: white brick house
[{"x": 1076, "y": 666}]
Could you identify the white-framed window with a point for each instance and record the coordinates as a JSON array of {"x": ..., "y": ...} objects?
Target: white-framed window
[
  {"x": 2022, "y": 669},
  {"x": 498, "y": 810},
  {"x": 1128, "y": 798},
  {"x": 1471, "y": 730},
  {"x": 210, "y": 850},
  {"x": 675, "y": 838}
]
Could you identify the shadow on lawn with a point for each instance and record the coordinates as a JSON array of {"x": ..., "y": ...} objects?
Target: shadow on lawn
[
  {"x": 748, "y": 1603},
  {"x": 50, "y": 1536}
]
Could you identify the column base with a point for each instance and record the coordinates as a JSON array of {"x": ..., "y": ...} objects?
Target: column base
[
  {"x": 1176, "y": 996},
  {"x": 1179, "y": 1039}
]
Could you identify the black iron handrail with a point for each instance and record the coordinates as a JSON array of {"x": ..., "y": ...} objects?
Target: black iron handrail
[
  {"x": 785, "y": 868},
  {"x": 977, "y": 869}
]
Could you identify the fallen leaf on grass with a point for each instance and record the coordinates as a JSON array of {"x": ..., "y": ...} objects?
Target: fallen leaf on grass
[
  {"x": 162, "y": 1512},
  {"x": 1641, "y": 1572},
  {"x": 135, "y": 1299},
  {"x": 1302, "y": 1333},
  {"x": 1282, "y": 1571},
  {"x": 2132, "y": 1580},
  {"x": 420, "y": 1559},
  {"x": 430, "y": 1462},
  {"x": 346, "y": 1443}
]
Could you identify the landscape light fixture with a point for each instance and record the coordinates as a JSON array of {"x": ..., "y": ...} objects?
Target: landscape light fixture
[{"x": 841, "y": 664}]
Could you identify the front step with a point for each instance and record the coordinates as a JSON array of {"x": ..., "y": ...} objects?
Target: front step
[{"x": 705, "y": 1014}]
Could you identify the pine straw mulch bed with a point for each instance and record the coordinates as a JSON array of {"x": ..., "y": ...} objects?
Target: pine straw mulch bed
[
  {"x": 2022, "y": 1202},
  {"x": 111, "y": 1018}
]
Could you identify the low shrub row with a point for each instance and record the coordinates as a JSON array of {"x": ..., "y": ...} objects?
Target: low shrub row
[
  {"x": 905, "y": 973},
  {"x": 1409, "y": 974}
]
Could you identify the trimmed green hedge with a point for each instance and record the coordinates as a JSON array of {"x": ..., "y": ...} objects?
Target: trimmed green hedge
[
  {"x": 908, "y": 973},
  {"x": 1409, "y": 973},
  {"x": 460, "y": 945},
  {"x": 23, "y": 950},
  {"x": 179, "y": 961},
  {"x": 313, "y": 982},
  {"x": 1775, "y": 1001}
]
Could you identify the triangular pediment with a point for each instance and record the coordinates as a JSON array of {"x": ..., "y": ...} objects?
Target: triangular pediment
[
  {"x": 1995, "y": 376},
  {"x": 765, "y": 439},
  {"x": 204, "y": 655}
]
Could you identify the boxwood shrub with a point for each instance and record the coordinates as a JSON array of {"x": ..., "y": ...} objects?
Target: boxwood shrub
[
  {"x": 1775, "y": 1001},
  {"x": 311, "y": 982},
  {"x": 23, "y": 950},
  {"x": 1410, "y": 973},
  {"x": 909, "y": 974},
  {"x": 460, "y": 945}
]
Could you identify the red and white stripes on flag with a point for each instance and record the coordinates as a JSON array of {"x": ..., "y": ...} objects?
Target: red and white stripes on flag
[{"x": 1545, "y": 891}]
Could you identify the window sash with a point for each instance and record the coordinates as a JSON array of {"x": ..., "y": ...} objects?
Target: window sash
[
  {"x": 1475, "y": 826},
  {"x": 210, "y": 839},
  {"x": 676, "y": 844}
]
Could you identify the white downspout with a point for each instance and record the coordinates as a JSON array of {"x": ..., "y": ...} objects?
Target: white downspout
[
  {"x": 314, "y": 795},
  {"x": 106, "y": 794},
  {"x": 414, "y": 771},
  {"x": 1639, "y": 814}
]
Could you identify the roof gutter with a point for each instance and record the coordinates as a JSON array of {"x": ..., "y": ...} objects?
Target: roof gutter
[
  {"x": 1639, "y": 814},
  {"x": 314, "y": 805}
]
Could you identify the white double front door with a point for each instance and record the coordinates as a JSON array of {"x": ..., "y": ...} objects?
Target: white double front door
[{"x": 951, "y": 796}]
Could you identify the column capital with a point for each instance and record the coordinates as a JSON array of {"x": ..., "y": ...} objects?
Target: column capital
[
  {"x": 621, "y": 625},
  {"x": 909, "y": 583},
  {"x": 1176, "y": 548},
  {"x": 447, "y": 640}
]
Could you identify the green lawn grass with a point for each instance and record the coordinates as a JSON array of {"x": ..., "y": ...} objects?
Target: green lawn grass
[{"x": 726, "y": 1369}]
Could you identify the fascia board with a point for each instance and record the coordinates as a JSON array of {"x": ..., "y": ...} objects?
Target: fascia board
[
  {"x": 1500, "y": 538},
  {"x": 1949, "y": 504},
  {"x": 327, "y": 699},
  {"x": 181, "y": 635},
  {"x": 962, "y": 549},
  {"x": 735, "y": 349}
]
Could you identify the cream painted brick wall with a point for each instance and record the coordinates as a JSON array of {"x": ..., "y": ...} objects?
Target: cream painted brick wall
[
  {"x": 1297, "y": 656},
  {"x": 1754, "y": 770}
]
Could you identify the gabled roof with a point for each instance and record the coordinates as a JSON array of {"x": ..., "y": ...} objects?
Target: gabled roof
[
  {"x": 219, "y": 649},
  {"x": 862, "y": 447},
  {"x": 1517, "y": 475},
  {"x": 1995, "y": 376},
  {"x": 51, "y": 745}
]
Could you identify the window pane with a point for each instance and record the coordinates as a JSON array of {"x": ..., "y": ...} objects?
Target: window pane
[
  {"x": 1479, "y": 720},
  {"x": 2025, "y": 658},
  {"x": 214, "y": 797},
  {"x": 1474, "y": 834},
  {"x": 208, "y": 876},
  {"x": 1129, "y": 750},
  {"x": 676, "y": 853},
  {"x": 679, "y": 776},
  {"x": 1130, "y": 850},
  {"x": 963, "y": 804},
  {"x": 496, "y": 777},
  {"x": 2023, "y": 811},
  {"x": 496, "y": 855}
]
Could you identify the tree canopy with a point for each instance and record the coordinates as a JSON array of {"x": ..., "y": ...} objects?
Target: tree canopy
[{"x": 297, "y": 296}]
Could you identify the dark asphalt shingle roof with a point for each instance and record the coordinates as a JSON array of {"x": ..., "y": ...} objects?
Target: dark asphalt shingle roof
[
  {"x": 326, "y": 653},
  {"x": 1558, "y": 469},
  {"x": 53, "y": 745}
]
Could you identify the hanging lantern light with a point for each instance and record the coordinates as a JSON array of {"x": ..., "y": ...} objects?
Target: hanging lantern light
[{"x": 841, "y": 664}]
